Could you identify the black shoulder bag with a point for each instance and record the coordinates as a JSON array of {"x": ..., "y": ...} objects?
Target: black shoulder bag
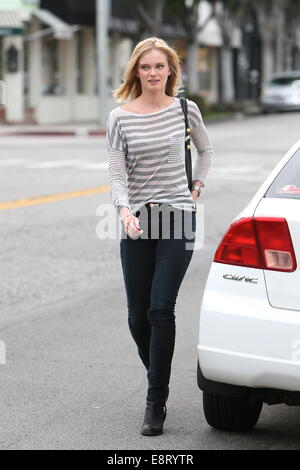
[{"x": 188, "y": 157}]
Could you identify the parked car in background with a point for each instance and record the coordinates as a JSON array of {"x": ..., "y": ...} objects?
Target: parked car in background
[
  {"x": 249, "y": 335},
  {"x": 281, "y": 92}
]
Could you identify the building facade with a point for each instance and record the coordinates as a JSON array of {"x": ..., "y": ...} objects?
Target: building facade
[
  {"x": 13, "y": 15},
  {"x": 48, "y": 58}
]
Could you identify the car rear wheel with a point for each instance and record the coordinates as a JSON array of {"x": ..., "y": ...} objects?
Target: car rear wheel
[{"x": 232, "y": 413}]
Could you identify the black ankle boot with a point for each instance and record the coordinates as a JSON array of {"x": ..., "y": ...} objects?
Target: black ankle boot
[{"x": 155, "y": 415}]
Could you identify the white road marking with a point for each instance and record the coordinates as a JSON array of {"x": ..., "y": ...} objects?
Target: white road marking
[
  {"x": 238, "y": 173},
  {"x": 240, "y": 177},
  {"x": 71, "y": 163},
  {"x": 52, "y": 164},
  {"x": 93, "y": 166},
  {"x": 12, "y": 161},
  {"x": 230, "y": 172},
  {"x": 235, "y": 169}
]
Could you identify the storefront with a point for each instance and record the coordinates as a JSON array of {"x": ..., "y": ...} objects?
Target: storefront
[
  {"x": 48, "y": 60},
  {"x": 60, "y": 70},
  {"x": 47, "y": 68},
  {"x": 11, "y": 66}
]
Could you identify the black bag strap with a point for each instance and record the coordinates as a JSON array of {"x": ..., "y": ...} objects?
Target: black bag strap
[{"x": 188, "y": 156}]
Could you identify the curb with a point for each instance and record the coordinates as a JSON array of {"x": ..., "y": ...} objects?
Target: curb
[
  {"x": 232, "y": 117},
  {"x": 55, "y": 133}
]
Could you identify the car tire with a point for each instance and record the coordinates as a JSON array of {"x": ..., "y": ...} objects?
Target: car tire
[{"x": 230, "y": 413}]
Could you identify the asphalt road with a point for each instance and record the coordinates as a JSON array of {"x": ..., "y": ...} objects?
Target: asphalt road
[{"x": 72, "y": 378}]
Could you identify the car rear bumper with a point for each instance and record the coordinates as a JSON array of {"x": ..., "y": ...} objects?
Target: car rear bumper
[{"x": 243, "y": 340}]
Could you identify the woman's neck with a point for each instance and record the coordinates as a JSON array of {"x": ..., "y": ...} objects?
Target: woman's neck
[{"x": 154, "y": 100}]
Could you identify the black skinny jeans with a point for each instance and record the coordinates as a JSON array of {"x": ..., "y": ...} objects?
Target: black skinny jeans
[{"x": 153, "y": 269}]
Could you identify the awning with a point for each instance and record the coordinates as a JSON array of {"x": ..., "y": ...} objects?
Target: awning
[
  {"x": 80, "y": 12},
  {"x": 60, "y": 29},
  {"x": 10, "y": 22}
]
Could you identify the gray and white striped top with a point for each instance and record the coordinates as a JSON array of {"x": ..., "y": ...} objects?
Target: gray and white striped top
[{"x": 147, "y": 157}]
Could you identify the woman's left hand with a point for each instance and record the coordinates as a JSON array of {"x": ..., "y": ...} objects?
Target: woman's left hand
[{"x": 195, "y": 194}]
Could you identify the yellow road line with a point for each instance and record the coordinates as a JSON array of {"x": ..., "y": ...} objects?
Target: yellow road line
[{"x": 33, "y": 201}]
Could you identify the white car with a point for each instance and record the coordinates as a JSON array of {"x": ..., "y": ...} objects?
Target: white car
[
  {"x": 281, "y": 92},
  {"x": 249, "y": 334}
]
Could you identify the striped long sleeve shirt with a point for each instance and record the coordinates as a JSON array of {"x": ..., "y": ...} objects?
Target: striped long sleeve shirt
[{"x": 147, "y": 157}]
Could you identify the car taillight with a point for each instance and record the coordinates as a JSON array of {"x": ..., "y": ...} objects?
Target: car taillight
[{"x": 258, "y": 242}]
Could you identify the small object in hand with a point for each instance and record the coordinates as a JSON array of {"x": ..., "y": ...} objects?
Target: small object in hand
[{"x": 197, "y": 188}]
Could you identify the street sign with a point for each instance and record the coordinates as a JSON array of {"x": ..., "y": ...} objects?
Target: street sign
[{"x": 10, "y": 31}]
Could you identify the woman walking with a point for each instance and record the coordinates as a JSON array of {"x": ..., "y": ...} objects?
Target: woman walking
[{"x": 149, "y": 188}]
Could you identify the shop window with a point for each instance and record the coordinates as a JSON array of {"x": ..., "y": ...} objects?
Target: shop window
[
  {"x": 95, "y": 62},
  {"x": 2, "y": 83},
  {"x": 81, "y": 68},
  {"x": 26, "y": 74},
  {"x": 1, "y": 59},
  {"x": 52, "y": 75},
  {"x": 204, "y": 68}
]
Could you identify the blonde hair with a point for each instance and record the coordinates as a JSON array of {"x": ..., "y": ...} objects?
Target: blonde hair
[{"x": 131, "y": 86}]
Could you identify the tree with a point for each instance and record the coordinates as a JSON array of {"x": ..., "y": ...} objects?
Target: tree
[
  {"x": 267, "y": 24},
  {"x": 187, "y": 13},
  {"x": 229, "y": 15},
  {"x": 292, "y": 43},
  {"x": 150, "y": 14},
  {"x": 279, "y": 13},
  {"x": 278, "y": 22},
  {"x": 184, "y": 13}
]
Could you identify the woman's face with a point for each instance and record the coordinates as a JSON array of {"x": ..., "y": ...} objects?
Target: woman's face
[{"x": 153, "y": 70}]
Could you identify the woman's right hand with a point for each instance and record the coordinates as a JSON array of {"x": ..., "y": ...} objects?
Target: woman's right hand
[{"x": 132, "y": 226}]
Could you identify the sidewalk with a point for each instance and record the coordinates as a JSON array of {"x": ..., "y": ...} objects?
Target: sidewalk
[
  {"x": 75, "y": 130},
  {"x": 90, "y": 129}
]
